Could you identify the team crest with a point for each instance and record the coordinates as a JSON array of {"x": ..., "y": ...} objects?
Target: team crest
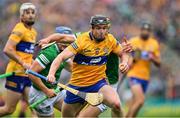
[{"x": 97, "y": 51}]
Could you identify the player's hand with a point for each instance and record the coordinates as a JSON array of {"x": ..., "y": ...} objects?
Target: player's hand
[
  {"x": 126, "y": 45},
  {"x": 50, "y": 93},
  {"x": 151, "y": 56},
  {"x": 43, "y": 42},
  {"x": 51, "y": 78},
  {"x": 124, "y": 67},
  {"x": 26, "y": 65}
]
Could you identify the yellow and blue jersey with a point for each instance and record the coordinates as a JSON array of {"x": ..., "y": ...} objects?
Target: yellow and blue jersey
[
  {"x": 141, "y": 68},
  {"x": 89, "y": 63},
  {"x": 25, "y": 39}
]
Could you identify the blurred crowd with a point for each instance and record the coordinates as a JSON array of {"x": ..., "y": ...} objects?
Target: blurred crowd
[{"x": 126, "y": 16}]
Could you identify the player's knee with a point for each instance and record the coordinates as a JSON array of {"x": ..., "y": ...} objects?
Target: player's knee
[
  {"x": 140, "y": 101},
  {"x": 116, "y": 105},
  {"x": 9, "y": 110}
]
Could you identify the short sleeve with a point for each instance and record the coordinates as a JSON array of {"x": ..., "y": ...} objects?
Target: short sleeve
[
  {"x": 17, "y": 34},
  {"x": 45, "y": 58},
  {"x": 75, "y": 47}
]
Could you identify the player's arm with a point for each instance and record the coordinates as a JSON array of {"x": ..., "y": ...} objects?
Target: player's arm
[
  {"x": 61, "y": 38},
  {"x": 64, "y": 55},
  {"x": 155, "y": 56},
  {"x": 126, "y": 45},
  {"x": 67, "y": 53},
  {"x": 37, "y": 67},
  {"x": 117, "y": 49},
  {"x": 10, "y": 49}
]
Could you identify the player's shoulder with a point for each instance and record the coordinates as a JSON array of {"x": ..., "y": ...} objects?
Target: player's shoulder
[
  {"x": 76, "y": 34},
  {"x": 135, "y": 38},
  {"x": 83, "y": 36},
  {"x": 19, "y": 26},
  {"x": 47, "y": 46},
  {"x": 111, "y": 37},
  {"x": 154, "y": 41},
  {"x": 49, "y": 50}
]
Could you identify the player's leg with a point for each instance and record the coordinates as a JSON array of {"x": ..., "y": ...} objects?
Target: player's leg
[
  {"x": 92, "y": 111},
  {"x": 25, "y": 102},
  {"x": 44, "y": 109},
  {"x": 72, "y": 104},
  {"x": 59, "y": 101},
  {"x": 14, "y": 86},
  {"x": 11, "y": 100},
  {"x": 138, "y": 97},
  {"x": 112, "y": 100},
  {"x": 23, "y": 108},
  {"x": 71, "y": 110}
]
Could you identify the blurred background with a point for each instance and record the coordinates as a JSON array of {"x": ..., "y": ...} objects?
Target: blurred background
[{"x": 126, "y": 16}]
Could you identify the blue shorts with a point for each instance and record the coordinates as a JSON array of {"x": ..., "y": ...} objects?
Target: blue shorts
[
  {"x": 17, "y": 83},
  {"x": 143, "y": 83},
  {"x": 71, "y": 98}
]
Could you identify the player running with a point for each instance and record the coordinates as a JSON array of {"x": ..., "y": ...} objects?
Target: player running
[
  {"x": 19, "y": 49},
  {"x": 146, "y": 51},
  {"x": 40, "y": 87},
  {"x": 112, "y": 68},
  {"x": 88, "y": 73}
]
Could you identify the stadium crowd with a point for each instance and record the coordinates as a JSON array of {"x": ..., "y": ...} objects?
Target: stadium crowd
[{"x": 126, "y": 15}]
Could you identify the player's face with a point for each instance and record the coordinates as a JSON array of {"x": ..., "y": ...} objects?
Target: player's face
[
  {"x": 99, "y": 32},
  {"x": 145, "y": 33},
  {"x": 28, "y": 17}
]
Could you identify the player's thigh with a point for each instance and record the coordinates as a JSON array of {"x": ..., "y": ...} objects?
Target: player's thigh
[
  {"x": 110, "y": 95},
  {"x": 137, "y": 91},
  {"x": 58, "y": 104},
  {"x": 71, "y": 110},
  {"x": 12, "y": 98},
  {"x": 59, "y": 100}
]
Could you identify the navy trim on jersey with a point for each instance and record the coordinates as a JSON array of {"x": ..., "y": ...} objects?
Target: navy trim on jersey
[
  {"x": 26, "y": 47},
  {"x": 90, "y": 60}
]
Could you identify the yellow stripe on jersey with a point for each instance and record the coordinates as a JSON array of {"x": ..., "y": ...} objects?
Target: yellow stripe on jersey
[{"x": 90, "y": 61}]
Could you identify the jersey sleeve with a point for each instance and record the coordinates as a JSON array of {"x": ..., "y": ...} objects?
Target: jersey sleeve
[
  {"x": 76, "y": 46},
  {"x": 16, "y": 34},
  {"x": 44, "y": 58},
  {"x": 116, "y": 46}
]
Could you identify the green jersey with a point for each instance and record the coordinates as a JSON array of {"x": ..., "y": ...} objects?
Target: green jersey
[
  {"x": 45, "y": 58},
  {"x": 112, "y": 68}
]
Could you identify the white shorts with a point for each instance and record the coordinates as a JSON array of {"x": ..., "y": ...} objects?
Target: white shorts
[{"x": 46, "y": 108}]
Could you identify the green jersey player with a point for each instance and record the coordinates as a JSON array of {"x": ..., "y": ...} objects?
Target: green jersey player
[{"x": 40, "y": 87}]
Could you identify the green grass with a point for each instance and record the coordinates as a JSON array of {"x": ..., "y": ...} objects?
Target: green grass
[{"x": 148, "y": 110}]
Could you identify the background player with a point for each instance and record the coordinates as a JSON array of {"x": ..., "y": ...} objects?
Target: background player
[
  {"x": 19, "y": 49},
  {"x": 146, "y": 51}
]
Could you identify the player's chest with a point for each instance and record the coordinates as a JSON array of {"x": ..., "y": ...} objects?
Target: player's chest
[
  {"x": 145, "y": 46},
  {"x": 29, "y": 36},
  {"x": 96, "y": 49}
]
